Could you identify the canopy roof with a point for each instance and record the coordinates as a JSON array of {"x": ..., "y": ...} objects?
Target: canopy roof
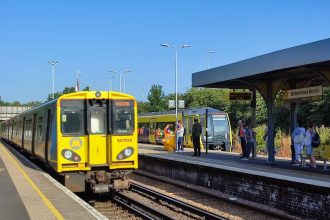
[{"x": 304, "y": 62}]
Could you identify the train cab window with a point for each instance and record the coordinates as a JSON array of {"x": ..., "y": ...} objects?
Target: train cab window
[
  {"x": 122, "y": 117},
  {"x": 72, "y": 117},
  {"x": 220, "y": 123}
]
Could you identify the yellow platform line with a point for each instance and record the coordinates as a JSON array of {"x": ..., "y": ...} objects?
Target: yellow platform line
[{"x": 50, "y": 206}]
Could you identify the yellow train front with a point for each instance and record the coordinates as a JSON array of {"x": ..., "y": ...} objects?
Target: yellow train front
[{"x": 88, "y": 137}]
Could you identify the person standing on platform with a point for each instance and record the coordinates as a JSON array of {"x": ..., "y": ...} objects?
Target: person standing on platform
[
  {"x": 250, "y": 141},
  {"x": 167, "y": 130},
  {"x": 242, "y": 136},
  {"x": 298, "y": 136},
  {"x": 180, "y": 130},
  {"x": 196, "y": 133},
  {"x": 308, "y": 144}
]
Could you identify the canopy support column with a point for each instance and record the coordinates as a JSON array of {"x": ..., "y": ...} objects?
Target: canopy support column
[{"x": 270, "y": 102}]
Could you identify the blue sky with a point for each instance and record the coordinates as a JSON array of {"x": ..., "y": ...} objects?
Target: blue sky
[{"x": 94, "y": 37}]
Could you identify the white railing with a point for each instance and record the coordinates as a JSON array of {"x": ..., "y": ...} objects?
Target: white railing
[{"x": 7, "y": 112}]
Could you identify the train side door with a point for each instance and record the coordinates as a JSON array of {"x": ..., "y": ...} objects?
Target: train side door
[
  {"x": 48, "y": 134},
  {"x": 188, "y": 138},
  {"x": 97, "y": 135},
  {"x": 152, "y": 130},
  {"x": 186, "y": 126},
  {"x": 33, "y": 133}
]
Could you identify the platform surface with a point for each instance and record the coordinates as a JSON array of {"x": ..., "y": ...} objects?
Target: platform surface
[
  {"x": 11, "y": 205},
  {"x": 27, "y": 192},
  {"x": 282, "y": 170}
]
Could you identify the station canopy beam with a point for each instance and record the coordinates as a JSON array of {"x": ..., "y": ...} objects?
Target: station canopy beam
[{"x": 296, "y": 67}]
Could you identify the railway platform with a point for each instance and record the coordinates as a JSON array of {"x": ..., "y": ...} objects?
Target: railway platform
[
  {"x": 297, "y": 191},
  {"x": 27, "y": 192}
]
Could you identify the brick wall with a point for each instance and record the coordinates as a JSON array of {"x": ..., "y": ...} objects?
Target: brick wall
[{"x": 297, "y": 199}]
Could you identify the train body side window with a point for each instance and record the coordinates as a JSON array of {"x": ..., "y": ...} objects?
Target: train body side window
[
  {"x": 19, "y": 131},
  {"x": 39, "y": 128},
  {"x": 28, "y": 128},
  {"x": 72, "y": 117},
  {"x": 15, "y": 129}
]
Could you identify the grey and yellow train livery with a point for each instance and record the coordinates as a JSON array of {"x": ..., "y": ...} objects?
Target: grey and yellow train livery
[{"x": 88, "y": 137}]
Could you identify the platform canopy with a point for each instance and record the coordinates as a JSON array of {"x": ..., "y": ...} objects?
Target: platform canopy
[
  {"x": 302, "y": 66},
  {"x": 296, "y": 67}
]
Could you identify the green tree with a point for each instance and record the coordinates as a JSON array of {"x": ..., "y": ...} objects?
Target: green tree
[
  {"x": 237, "y": 110},
  {"x": 143, "y": 107},
  {"x": 261, "y": 109},
  {"x": 87, "y": 88},
  {"x": 316, "y": 112},
  {"x": 201, "y": 97},
  {"x": 66, "y": 90},
  {"x": 156, "y": 99},
  {"x": 33, "y": 103}
]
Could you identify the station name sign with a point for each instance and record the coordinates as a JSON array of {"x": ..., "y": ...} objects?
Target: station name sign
[
  {"x": 304, "y": 94},
  {"x": 240, "y": 96}
]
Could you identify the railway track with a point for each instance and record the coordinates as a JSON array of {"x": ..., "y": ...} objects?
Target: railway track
[
  {"x": 161, "y": 206},
  {"x": 140, "y": 202},
  {"x": 228, "y": 207}
]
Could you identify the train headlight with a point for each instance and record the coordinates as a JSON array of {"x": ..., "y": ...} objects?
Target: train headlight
[
  {"x": 71, "y": 155},
  {"x": 67, "y": 154},
  {"x": 127, "y": 152},
  {"x": 98, "y": 94}
]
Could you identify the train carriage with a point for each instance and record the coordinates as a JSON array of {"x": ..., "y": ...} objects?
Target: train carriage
[
  {"x": 218, "y": 136},
  {"x": 88, "y": 137}
]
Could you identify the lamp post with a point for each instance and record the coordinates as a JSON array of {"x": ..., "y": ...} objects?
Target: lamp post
[
  {"x": 176, "y": 83},
  {"x": 112, "y": 71},
  {"x": 126, "y": 71},
  {"x": 53, "y": 63},
  {"x": 78, "y": 82},
  {"x": 208, "y": 57},
  {"x": 124, "y": 77},
  {"x": 110, "y": 83}
]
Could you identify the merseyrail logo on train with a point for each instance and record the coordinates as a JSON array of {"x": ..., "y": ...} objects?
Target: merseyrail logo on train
[{"x": 75, "y": 143}]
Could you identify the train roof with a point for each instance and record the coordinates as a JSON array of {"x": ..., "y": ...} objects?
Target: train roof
[
  {"x": 94, "y": 94},
  {"x": 190, "y": 111},
  {"x": 68, "y": 95}
]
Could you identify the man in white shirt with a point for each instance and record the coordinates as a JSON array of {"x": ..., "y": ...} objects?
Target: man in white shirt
[{"x": 298, "y": 141}]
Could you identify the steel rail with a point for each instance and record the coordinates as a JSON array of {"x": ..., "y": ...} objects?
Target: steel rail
[
  {"x": 147, "y": 213},
  {"x": 182, "y": 205}
]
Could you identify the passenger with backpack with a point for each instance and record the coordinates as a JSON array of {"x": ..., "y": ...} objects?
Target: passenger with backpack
[
  {"x": 310, "y": 137},
  {"x": 250, "y": 141},
  {"x": 298, "y": 136}
]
